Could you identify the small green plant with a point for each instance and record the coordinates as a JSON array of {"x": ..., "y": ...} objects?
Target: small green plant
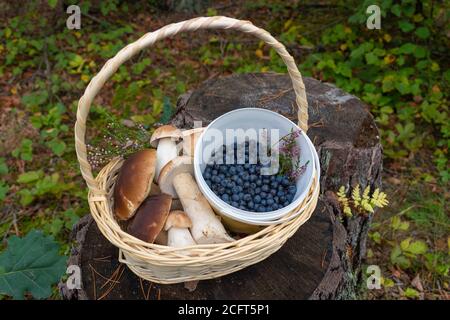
[{"x": 362, "y": 203}]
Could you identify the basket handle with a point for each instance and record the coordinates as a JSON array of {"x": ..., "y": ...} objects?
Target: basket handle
[{"x": 147, "y": 40}]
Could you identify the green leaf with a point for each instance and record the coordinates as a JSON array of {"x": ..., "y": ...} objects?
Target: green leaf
[
  {"x": 52, "y": 3},
  {"x": 57, "y": 146},
  {"x": 3, "y": 166},
  {"x": 411, "y": 293},
  {"x": 4, "y": 188},
  {"x": 423, "y": 32},
  {"x": 30, "y": 264},
  {"x": 396, "y": 9},
  {"x": 30, "y": 176},
  {"x": 406, "y": 26},
  {"x": 26, "y": 197},
  {"x": 407, "y": 48},
  {"x": 372, "y": 58},
  {"x": 417, "y": 247}
]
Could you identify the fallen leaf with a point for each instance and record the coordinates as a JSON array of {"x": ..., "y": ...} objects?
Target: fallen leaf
[{"x": 417, "y": 283}]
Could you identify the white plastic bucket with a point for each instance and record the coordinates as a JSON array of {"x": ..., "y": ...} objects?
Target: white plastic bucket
[{"x": 255, "y": 118}]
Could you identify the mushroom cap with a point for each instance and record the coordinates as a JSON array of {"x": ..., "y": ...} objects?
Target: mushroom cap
[
  {"x": 150, "y": 217},
  {"x": 171, "y": 170},
  {"x": 166, "y": 131},
  {"x": 178, "y": 219},
  {"x": 190, "y": 138},
  {"x": 134, "y": 183}
]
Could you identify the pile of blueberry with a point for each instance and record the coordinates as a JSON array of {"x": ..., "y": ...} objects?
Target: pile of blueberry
[{"x": 244, "y": 187}]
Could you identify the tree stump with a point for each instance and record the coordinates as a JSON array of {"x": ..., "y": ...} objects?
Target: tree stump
[{"x": 323, "y": 259}]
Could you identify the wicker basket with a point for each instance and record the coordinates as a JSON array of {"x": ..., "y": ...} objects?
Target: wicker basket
[{"x": 164, "y": 264}]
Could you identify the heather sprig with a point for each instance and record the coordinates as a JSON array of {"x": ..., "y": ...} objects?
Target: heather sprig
[
  {"x": 289, "y": 155},
  {"x": 118, "y": 139}
]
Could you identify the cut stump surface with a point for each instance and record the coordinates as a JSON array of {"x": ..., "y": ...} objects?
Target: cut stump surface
[{"x": 322, "y": 260}]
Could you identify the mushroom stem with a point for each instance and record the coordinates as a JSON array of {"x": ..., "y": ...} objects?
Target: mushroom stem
[
  {"x": 166, "y": 151},
  {"x": 206, "y": 226},
  {"x": 179, "y": 237}
]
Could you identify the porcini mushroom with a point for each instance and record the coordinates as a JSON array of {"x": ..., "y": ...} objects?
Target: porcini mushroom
[
  {"x": 177, "y": 227},
  {"x": 164, "y": 139},
  {"x": 170, "y": 170},
  {"x": 134, "y": 183},
  {"x": 190, "y": 138},
  {"x": 177, "y": 180},
  {"x": 150, "y": 217}
]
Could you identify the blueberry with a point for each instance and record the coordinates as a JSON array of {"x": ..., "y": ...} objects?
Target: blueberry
[
  {"x": 234, "y": 204},
  {"x": 266, "y": 180},
  {"x": 279, "y": 179},
  {"x": 273, "y": 192},
  {"x": 285, "y": 182},
  {"x": 220, "y": 190},
  {"x": 252, "y": 170},
  {"x": 250, "y": 205},
  {"x": 292, "y": 190},
  {"x": 269, "y": 202},
  {"x": 235, "y": 197},
  {"x": 282, "y": 199},
  {"x": 246, "y": 184},
  {"x": 232, "y": 170},
  {"x": 257, "y": 199},
  {"x": 214, "y": 172},
  {"x": 239, "y": 188},
  {"x": 286, "y": 203},
  {"x": 239, "y": 181},
  {"x": 234, "y": 177},
  {"x": 245, "y": 176},
  {"x": 247, "y": 197},
  {"x": 207, "y": 175},
  {"x": 263, "y": 202},
  {"x": 274, "y": 207},
  {"x": 224, "y": 183},
  {"x": 241, "y": 196},
  {"x": 242, "y": 208},
  {"x": 263, "y": 194},
  {"x": 274, "y": 184},
  {"x": 276, "y": 199},
  {"x": 253, "y": 186},
  {"x": 225, "y": 197},
  {"x": 280, "y": 188},
  {"x": 262, "y": 209},
  {"x": 265, "y": 188},
  {"x": 221, "y": 176},
  {"x": 253, "y": 178},
  {"x": 257, "y": 190},
  {"x": 280, "y": 193},
  {"x": 259, "y": 182}
]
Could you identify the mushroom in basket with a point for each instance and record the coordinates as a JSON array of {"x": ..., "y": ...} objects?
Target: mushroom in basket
[
  {"x": 164, "y": 139},
  {"x": 177, "y": 179},
  {"x": 134, "y": 183}
]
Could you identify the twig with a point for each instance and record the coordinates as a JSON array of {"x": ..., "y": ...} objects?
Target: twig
[{"x": 116, "y": 277}]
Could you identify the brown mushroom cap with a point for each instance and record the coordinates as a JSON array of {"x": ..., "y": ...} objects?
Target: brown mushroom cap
[
  {"x": 150, "y": 217},
  {"x": 170, "y": 170},
  {"x": 166, "y": 131},
  {"x": 134, "y": 183},
  {"x": 178, "y": 219}
]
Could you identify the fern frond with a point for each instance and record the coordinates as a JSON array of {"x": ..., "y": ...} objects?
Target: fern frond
[
  {"x": 366, "y": 192},
  {"x": 378, "y": 199},
  {"x": 365, "y": 204},
  {"x": 348, "y": 211},
  {"x": 356, "y": 196},
  {"x": 342, "y": 198}
]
